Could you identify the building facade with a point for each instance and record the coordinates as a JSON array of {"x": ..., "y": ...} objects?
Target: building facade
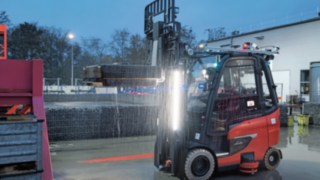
[{"x": 299, "y": 46}]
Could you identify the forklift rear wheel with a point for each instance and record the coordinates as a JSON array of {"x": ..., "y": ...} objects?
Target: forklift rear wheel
[
  {"x": 199, "y": 164},
  {"x": 272, "y": 159}
]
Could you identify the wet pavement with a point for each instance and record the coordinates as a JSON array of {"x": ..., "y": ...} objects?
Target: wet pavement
[{"x": 131, "y": 158}]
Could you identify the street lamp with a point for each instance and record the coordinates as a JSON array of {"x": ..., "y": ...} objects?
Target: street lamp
[{"x": 71, "y": 36}]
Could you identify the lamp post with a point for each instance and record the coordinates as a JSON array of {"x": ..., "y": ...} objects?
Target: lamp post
[{"x": 71, "y": 37}]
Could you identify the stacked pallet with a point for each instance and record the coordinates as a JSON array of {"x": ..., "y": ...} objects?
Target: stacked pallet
[{"x": 122, "y": 75}]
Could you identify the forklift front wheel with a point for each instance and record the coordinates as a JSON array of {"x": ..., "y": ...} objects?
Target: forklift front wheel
[
  {"x": 272, "y": 159},
  {"x": 199, "y": 164}
]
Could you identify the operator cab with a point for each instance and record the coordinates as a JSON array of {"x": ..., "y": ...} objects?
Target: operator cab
[
  {"x": 227, "y": 90},
  {"x": 230, "y": 87},
  {"x": 238, "y": 92}
]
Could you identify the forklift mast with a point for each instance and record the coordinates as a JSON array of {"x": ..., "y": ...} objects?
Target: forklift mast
[
  {"x": 164, "y": 35},
  {"x": 168, "y": 54},
  {"x": 199, "y": 133}
]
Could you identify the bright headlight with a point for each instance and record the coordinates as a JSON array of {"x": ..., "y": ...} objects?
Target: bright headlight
[
  {"x": 177, "y": 81},
  {"x": 204, "y": 72},
  {"x": 202, "y": 45}
]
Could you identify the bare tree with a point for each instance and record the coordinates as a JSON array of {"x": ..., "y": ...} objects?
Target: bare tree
[
  {"x": 54, "y": 50},
  {"x": 24, "y": 41},
  {"x": 216, "y": 33},
  {"x": 187, "y": 36},
  {"x": 4, "y": 18},
  {"x": 137, "y": 51},
  {"x": 96, "y": 47},
  {"x": 119, "y": 45}
]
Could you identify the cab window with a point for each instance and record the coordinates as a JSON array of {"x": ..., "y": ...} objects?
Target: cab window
[{"x": 237, "y": 91}]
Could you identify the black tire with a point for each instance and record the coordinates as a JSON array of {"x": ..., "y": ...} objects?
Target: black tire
[
  {"x": 199, "y": 165},
  {"x": 271, "y": 159}
]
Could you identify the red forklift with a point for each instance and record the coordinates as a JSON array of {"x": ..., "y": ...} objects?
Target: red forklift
[
  {"x": 218, "y": 107},
  {"x": 223, "y": 113},
  {"x": 221, "y": 109}
]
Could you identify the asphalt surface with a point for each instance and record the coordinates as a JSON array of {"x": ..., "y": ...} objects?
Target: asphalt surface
[{"x": 131, "y": 158}]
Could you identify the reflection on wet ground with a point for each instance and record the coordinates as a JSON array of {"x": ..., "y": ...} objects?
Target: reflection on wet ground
[
  {"x": 304, "y": 135},
  {"x": 231, "y": 175},
  {"x": 300, "y": 146}
]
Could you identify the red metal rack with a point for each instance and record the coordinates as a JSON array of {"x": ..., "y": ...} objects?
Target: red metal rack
[{"x": 21, "y": 85}]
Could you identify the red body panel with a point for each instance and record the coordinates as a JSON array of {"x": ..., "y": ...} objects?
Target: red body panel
[
  {"x": 21, "y": 83},
  {"x": 274, "y": 129},
  {"x": 266, "y": 135}
]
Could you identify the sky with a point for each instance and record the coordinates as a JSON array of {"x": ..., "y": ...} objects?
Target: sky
[{"x": 100, "y": 18}]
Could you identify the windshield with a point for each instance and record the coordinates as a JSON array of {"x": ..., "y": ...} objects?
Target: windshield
[{"x": 200, "y": 74}]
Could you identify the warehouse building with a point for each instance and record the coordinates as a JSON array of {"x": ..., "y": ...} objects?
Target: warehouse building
[{"x": 299, "y": 44}]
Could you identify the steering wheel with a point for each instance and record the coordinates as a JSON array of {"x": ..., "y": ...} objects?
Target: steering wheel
[{"x": 230, "y": 100}]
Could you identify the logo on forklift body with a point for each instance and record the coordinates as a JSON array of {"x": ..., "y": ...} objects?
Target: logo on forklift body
[{"x": 197, "y": 136}]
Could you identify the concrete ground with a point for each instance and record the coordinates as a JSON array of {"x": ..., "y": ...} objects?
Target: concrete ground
[{"x": 131, "y": 158}]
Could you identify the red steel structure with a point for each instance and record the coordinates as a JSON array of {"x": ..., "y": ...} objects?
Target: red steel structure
[{"x": 21, "y": 85}]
